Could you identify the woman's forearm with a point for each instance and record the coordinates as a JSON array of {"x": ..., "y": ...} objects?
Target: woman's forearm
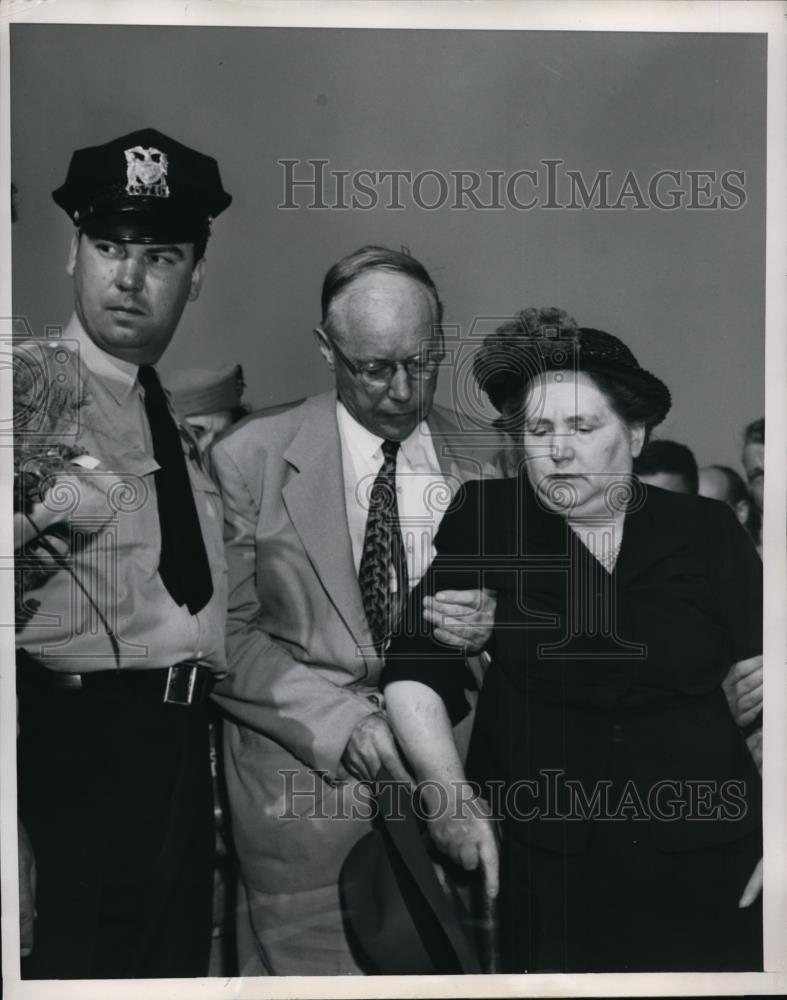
[
  {"x": 458, "y": 822},
  {"x": 421, "y": 725}
]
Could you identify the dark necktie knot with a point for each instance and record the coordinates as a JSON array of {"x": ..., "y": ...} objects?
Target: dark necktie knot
[
  {"x": 147, "y": 377},
  {"x": 390, "y": 450}
]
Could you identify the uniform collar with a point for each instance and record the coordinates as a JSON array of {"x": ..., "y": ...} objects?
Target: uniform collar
[{"x": 118, "y": 376}]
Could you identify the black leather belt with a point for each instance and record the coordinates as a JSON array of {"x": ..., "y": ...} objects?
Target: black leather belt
[{"x": 182, "y": 684}]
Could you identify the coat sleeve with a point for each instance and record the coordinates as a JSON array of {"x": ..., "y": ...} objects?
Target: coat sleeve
[
  {"x": 267, "y": 689},
  {"x": 414, "y": 654}
]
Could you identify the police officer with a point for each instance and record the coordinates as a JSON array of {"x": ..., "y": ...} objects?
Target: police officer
[{"x": 119, "y": 645}]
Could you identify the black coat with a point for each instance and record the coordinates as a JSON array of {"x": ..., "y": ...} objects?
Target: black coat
[{"x": 642, "y": 664}]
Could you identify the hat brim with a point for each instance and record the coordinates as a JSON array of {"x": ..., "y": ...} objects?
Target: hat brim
[
  {"x": 513, "y": 381},
  {"x": 143, "y": 227},
  {"x": 401, "y": 920}
]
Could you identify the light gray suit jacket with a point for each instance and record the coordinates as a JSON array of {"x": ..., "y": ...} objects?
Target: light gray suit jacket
[{"x": 301, "y": 657}]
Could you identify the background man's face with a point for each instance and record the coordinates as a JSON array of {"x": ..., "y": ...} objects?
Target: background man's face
[
  {"x": 384, "y": 316},
  {"x": 754, "y": 464},
  {"x": 129, "y": 297},
  {"x": 207, "y": 426}
]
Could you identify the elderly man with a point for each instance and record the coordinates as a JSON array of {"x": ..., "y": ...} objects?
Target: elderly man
[
  {"x": 330, "y": 505},
  {"x": 120, "y": 641}
]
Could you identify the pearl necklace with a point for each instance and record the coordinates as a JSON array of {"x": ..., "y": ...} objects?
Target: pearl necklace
[{"x": 597, "y": 542}]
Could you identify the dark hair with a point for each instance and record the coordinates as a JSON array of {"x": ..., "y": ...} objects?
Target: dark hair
[
  {"x": 670, "y": 457},
  {"x": 200, "y": 243},
  {"x": 754, "y": 433},
  {"x": 374, "y": 258},
  {"x": 737, "y": 490}
]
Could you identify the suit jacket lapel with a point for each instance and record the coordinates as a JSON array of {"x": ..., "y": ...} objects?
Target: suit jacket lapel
[
  {"x": 315, "y": 503},
  {"x": 457, "y": 458}
]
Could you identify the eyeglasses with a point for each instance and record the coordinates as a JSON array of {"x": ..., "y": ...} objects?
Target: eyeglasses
[{"x": 376, "y": 374}]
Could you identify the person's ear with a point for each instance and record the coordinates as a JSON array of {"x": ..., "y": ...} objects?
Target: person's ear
[
  {"x": 197, "y": 277},
  {"x": 73, "y": 251},
  {"x": 325, "y": 346},
  {"x": 637, "y": 437}
]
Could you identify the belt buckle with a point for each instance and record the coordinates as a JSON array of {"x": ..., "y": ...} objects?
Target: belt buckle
[{"x": 181, "y": 681}]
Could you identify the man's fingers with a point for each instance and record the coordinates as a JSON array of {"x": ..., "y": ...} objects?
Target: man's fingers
[
  {"x": 753, "y": 887},
  {"x": 747, "y": 668},
  {"x": 367, "y": 764},
  {"x": 751, "y": 700},
  {"x": 392, "y": 762},
  {"x": 451, "y": 638},
  {"x": 464, "y": 598},
  {"x": 439, "y": 613}
]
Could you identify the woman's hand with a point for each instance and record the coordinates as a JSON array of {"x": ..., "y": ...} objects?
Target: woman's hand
[{"x": 461, "y": 828}]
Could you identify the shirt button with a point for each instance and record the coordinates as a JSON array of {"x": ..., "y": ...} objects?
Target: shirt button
[{"x": 200, "y": 654}]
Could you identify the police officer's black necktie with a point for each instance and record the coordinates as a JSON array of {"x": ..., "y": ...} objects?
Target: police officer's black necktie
[
  {"x": 383, "y": 552},
  {"x": 183, "y": 564}
]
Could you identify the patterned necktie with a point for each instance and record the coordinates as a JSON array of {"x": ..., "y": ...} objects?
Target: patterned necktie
[
  {"x": 383, "y": 552},
  {"x": 183, "y": 563}
]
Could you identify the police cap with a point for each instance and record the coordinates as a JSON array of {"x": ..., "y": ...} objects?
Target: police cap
[{"x": 143, "y": 188}]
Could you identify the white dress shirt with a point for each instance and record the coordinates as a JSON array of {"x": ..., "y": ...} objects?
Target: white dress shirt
[{"x": 423, "y": 494}]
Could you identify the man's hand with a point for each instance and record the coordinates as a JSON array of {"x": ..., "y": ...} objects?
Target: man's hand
[
  {"x": 753, "y": 887},
  {"x": 462, "y": 618},
  {"x": 463, "y": 831},
  {"x": 27, "y": 891},
  {"x": 370, "y": 747},
  {"x": 743, "y": 689}
]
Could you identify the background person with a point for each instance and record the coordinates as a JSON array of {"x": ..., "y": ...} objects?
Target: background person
[
  {"x": 753, "y": 459},
  {"x": 620, "y": 611},
  {"x": 210, "y": 400},
  {"x": 668, "y": 464},
  {"x": 720, "y": 482}
]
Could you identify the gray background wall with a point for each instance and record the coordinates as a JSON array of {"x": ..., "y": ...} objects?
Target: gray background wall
[{"x": 684, "y": 288}]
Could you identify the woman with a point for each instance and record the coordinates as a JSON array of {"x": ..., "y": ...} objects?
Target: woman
[{"x": 630, "y": 805}]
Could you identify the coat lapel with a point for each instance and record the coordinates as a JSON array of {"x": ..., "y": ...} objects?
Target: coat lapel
[{"x": 315, "y": 503}]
